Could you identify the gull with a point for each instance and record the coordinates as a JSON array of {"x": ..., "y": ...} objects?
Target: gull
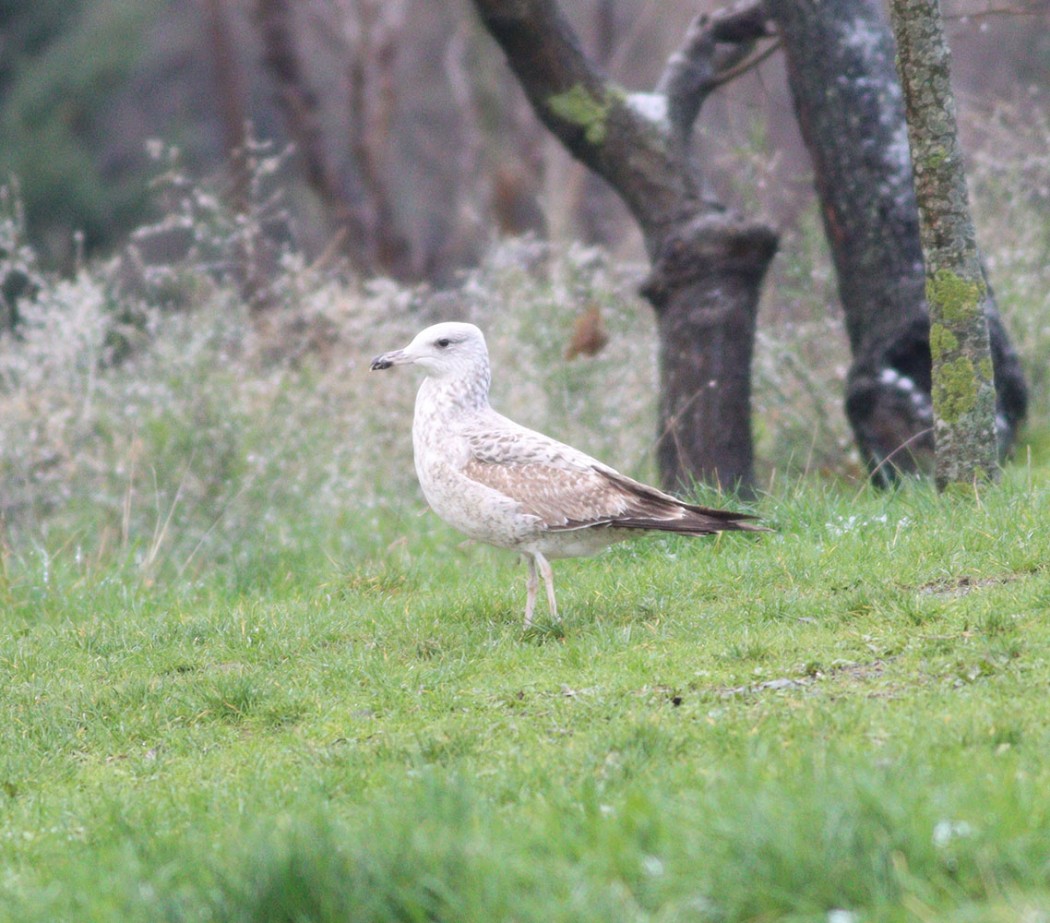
[{"x": 501, "y": 483}]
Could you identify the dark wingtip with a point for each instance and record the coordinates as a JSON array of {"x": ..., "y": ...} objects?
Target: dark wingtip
[
  {"x": 650, "y": 508},
  {"x": 727, "y": 521}
]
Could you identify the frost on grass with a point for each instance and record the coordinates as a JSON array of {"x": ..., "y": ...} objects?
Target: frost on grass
[
  {"x": 843, "y": 525},
  {"x": 945, "y": 832}
]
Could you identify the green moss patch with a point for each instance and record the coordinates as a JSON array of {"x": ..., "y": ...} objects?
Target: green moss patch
[{"x": 581, "y": 107}]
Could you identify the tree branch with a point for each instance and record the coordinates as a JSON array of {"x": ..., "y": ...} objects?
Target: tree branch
[
  {"x": 714, "y": 45},
  {"x": 597, "y": 121},
  {"x": 750, "y": 63}
]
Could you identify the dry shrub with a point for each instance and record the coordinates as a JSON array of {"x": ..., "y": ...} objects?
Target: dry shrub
[{"x": 179, "y": 426}]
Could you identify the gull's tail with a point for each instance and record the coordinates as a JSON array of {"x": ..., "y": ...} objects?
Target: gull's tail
[{"x": 647, "y": 508}]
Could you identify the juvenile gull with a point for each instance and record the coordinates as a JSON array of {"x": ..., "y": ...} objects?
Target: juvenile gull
[{"x": 501, "y": 483}]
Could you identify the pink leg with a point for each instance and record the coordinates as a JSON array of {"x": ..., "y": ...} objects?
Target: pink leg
[
  {"x": 548, "y": 580},
  {"x": 532, "y": 585}
]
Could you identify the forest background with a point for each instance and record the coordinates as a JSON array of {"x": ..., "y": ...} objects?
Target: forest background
[{"x": 422, "y": 126}]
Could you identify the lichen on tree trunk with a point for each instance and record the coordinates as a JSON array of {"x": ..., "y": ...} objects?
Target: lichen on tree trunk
[
  {"x": 963, "y": 380},
  {"x": 840, "y": 62}
]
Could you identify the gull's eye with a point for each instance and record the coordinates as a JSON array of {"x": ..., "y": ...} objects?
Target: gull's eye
[{"x": 444, "y": 343}]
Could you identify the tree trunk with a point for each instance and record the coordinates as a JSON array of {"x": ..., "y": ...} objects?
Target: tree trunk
[
  {"x": 232, "y": 100},
  {"x": 254, "y": 252},
  {"x": 707, "y": 264},
  {"x": 840, "y": 59},
  {"x": 303, "y": 117},
  {"x": 705, "y": 286},
  {"x": 963, "y": 387}
]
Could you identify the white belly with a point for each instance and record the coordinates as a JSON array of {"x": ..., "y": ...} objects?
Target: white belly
[{"x": 475, "y": 510}]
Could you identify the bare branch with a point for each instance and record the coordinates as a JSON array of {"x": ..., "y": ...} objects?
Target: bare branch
[
  {"x": 707, "y": 263},
  {"x": 372, "y": 99},
  {"x": 714, "y": 47},
  {"x": 730, "y": 74},
  {"x": 1005, "y": 12}
]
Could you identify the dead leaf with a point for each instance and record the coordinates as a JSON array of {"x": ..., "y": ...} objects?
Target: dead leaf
[{"x": 589, "y": 336}]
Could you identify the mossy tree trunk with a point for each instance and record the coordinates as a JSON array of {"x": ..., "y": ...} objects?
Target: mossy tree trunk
[
  {"x": 707, "y": 264},
  {"x": 962, "y": 370},
  {"x": 840, "y": 62}
]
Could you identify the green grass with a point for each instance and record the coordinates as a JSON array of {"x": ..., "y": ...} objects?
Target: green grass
[{"x": 849, "y": 714}]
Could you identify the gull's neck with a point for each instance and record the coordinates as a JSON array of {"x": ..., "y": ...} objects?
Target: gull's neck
[{"x": 457, "y": 393}]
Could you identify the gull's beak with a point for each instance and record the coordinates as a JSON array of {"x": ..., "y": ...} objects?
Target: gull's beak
[{"x": 397, "y": 357}]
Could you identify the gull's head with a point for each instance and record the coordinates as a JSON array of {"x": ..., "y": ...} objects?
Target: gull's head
[{"x": 451, "y": 349}]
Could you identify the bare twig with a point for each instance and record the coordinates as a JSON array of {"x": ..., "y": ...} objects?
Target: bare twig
[
  {"x": 922, "y": 433},
  {"x": 373, "y": 101},
  {"x": 1006, "y": 12},
  {"x": 750, "y": 64}
]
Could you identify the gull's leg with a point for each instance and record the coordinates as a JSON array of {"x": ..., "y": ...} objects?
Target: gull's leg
[
  {"x": 548, "y": 580},
  {"x": 532, "y": 585}
]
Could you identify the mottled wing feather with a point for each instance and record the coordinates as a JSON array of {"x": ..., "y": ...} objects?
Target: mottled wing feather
[
  {"x": 569, "y": 490},
  {"x": 561, "y": 497},
  {"x": 567, "y": 498}
]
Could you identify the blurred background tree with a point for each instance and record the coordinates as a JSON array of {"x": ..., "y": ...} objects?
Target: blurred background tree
[
  {"x": 425, "y": 135},
  {"x": 63, "y": 64}
]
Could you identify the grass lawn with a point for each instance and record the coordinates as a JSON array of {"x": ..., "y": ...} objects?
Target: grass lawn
[{"x": 846, "y": 720}]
